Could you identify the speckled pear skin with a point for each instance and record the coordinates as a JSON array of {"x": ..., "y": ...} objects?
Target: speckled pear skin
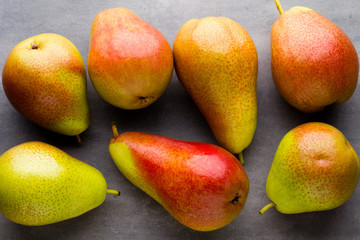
[
  {"x": 216, "y": 61},
  {"x": 314, "y": 169},
  {"x": 201, "y": 185},
  {"x": 130, "y": 63},
  {"x": 313, "y": 62},
  {"x": 40, "y": 184},
  {"x": 44, "y": 78}
]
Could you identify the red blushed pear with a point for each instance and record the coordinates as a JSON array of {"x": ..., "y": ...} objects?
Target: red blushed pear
[
  {"x": 314, "y": 63},
  {"x": 314, "y": 169},
  {"x": 44, "y": 78},
  {"x": 201, "y": 185},
  {"x": 130, "y": 63}
]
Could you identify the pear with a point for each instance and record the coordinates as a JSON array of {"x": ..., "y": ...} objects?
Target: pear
[
  {"x": 40, "y": 184},
  {"x": 201, "y": 185},
  {"x": 216, "y": 61},
  {"x": 314, "y": 169},
  {"x": 130, "y": 63},
  {"x": 44, "y": 78},
  {"x": 313, "y": 62}
]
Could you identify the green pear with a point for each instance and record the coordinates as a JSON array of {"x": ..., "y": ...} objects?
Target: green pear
[
  {"x": 44, "y": 78},
  {"x": 314, "y": 169},
  {"x": 313, "y": 62},
  {"x": 216, "y": 61},
  {"x": 130, "y": 62},
  {"x": 201, "y": 185},
  {"x": 40, "y": 184}
]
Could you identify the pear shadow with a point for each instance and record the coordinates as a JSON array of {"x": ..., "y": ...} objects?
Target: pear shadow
[
  {"x": 133, "y": 120},
  {"x": 313, "y": 225},
  {"x": 29, "y": 131},
  {"x": 290, "y": 114},
  {"x": 188, "y": 116},
  {"x": 67, "y": 229},
  {"x": 174, "y": 106}
]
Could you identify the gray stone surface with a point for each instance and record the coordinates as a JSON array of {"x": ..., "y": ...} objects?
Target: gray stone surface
[{"x": 135, "y": 215}]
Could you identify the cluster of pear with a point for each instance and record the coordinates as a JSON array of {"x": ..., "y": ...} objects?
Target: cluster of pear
[
  {"x": 203, "y": 186},
  {"x": 314, "y": 64}
]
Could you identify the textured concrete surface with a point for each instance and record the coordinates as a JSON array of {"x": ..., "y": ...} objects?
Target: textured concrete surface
[{"x": 134, "y": 215}]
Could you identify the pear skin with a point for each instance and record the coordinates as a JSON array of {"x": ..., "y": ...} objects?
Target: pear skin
[
  {"x": 201, "y": 185},
  {"x": 130, "y": 63},
  {"x": 216, "y": 61},
  {"x": 313, "y": 62},
  {"x": 314, "y": 169},
  {"x": 40, "y": 184},
  {"x": 44, "y": 78}
]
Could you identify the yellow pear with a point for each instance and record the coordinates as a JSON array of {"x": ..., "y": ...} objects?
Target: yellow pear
[{"x": 216, "y": 61}]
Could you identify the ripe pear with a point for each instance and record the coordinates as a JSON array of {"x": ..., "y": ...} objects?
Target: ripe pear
[
  {"x": 314, "y": 169},
  {"x": 44, "y": 78},
  {"x": 216, "y": 61},
  {"x": 201, "y": 185},
  {"x": 130, "y": 63},
  {"x": 313, "y": 62},
  {"x": 40, "y": 184}
]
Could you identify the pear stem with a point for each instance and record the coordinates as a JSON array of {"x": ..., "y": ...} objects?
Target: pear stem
[
  {"x": 113, "y": 192},
  {"x": 114, "y": 129},
  {"x": 241, "y": 158},
  {"x": 264, "y": 209},
  {"x": 279, "y": 7},
  {"x": 78, "y": 138}
]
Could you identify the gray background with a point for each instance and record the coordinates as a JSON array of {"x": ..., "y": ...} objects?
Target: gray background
[{"x": 135, "y": 215}]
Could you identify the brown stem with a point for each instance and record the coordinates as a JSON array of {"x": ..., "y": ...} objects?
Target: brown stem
[
  {"x": 78, "y": 138},
  {"x": 114, "y": 129}
]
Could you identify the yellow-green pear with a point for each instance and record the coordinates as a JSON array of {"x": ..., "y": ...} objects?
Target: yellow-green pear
[
  {"x": 40, "y": 184},
  {"x": 216, "y": 61},
  {"x": 44, "y": 78},
  {"x": 314, "y": 169}
]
